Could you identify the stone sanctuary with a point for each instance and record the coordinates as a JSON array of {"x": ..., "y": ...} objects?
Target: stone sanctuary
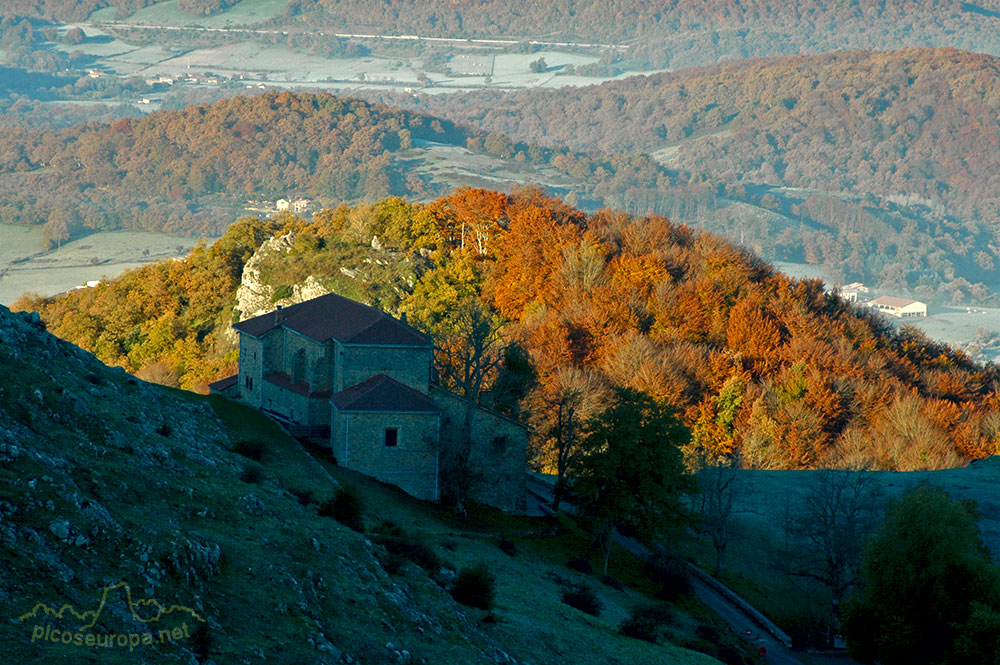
[{"x": 333, "y": 366}]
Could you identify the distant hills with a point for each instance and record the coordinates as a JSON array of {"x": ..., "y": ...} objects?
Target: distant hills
[
  {"x": 196, "y": 170},
  {"x": 643, "y": 34},
  {"x": 884, "y": 166}
]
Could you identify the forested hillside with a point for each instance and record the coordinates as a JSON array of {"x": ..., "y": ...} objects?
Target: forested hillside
[
  {"x": 192, "y": 171},
  {"x": 758, "y": 364},
  {"x": 897, "y": 155},
  {"x": 688, "y": 33},
  {"x": 649, "y": 34}
]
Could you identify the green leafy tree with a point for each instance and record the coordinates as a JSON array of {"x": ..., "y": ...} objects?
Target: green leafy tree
[
  {"x": 931, "y": 592},
  {"x": 629, "y": 474}
]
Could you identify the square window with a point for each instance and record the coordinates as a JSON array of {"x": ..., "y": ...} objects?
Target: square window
[{"x": 391, "y": 436}]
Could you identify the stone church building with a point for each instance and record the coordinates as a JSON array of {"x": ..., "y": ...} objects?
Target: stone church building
[{"x": 332, "y": 364}]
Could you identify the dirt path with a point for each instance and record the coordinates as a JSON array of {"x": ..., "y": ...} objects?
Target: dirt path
[{"x": 776, "y": 647}]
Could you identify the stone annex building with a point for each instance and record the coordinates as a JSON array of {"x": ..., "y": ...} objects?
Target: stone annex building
[{"x": 334, "y": 365}]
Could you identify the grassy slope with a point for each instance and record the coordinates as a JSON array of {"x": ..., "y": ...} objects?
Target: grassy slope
[
  {"x": 80, "y": 449},
  {"x": 761, "y": 505}
]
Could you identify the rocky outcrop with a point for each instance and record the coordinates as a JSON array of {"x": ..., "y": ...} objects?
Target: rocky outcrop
[{"x": 254, "y": 297}]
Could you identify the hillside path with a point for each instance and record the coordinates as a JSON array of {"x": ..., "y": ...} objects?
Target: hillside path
[{"x": 540, "y": 491}]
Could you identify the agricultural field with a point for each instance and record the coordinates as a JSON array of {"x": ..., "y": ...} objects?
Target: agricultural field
[{"x": 94, "y": 257}]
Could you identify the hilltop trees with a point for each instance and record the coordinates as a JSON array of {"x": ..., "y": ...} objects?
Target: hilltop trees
[
  {"x": 760, "y": 366},
  {"x": 931, "y": 592}
]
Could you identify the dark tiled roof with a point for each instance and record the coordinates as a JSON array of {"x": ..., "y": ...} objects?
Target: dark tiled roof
[
  {"x": 223, "y": 384},
  {"x": 380, "y": 393},
  {"x": 336, "y": 317},
  {"x": 282, "y": 380}
]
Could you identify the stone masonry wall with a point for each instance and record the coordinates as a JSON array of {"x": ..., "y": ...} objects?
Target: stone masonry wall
[
  {"x": 411, "y": 367},
  {"x": 359, "y": 444},
  {"x": 499, "y": 451}
]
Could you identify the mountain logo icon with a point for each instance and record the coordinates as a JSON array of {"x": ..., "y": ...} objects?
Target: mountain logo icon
[{"x": 143, "y": 610}]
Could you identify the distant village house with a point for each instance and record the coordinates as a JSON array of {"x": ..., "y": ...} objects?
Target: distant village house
[
  {"x": 902, "y": 308},
  {"x": 853, "y": 291},
  {"x": 362, "y": 380}
]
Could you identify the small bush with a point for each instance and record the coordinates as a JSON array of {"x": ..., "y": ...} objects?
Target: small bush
[
  {"x": 164, "y": 430},
  {"x": 389, "y": 529},
  {"x": 305, "y": 497},
  {"x": 671, "y": 575},
  {"x": 252, "y": 473},
  {"x": 582, "y": 598},
  {"x": 508, "y": 546},
  {"x": 581, "y": 565},
  {"x": 250, "y": 449},
  {"x": 282, "y": 292},
  {"x": 201, "y": 642},
  {"x": 615, "y": 584},
  {"x": 647, "y": 623},
  {"x": 345, "y": 507},
  {"x": 475, "y": 587},
  {"x": 413, "y": 550}
]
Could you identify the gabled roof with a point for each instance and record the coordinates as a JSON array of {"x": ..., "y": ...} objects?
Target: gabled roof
[
  {"x": 282, "y": 380},
  {"x": 336, "y": 317},
  {"x": 381, "y": 393},
  {"x": 892, "y": 301},
  {"x": 223, "y": 384}
]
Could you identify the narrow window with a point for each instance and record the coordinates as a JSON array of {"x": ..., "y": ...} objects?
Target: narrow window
[{"x": 391, "y": 436}]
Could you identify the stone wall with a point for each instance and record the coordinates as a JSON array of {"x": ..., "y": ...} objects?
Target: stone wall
[
  {"x": 499, "y": 452},
  {"x": 409, "y": 366},
  {"x": 251, "y": 363},
  {"x": 318, "y": 360},
  {"x": 359, "y": 444}
]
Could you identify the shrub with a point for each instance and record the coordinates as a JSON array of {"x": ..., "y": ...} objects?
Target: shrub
[
  {"x": 647, "y": 623},
  {"x": 282, "y": 292},
  {"x": 305, "y": 497},
  {"x": 346, "y": 507},
  {"x": 581, "y": 565},
  {"x": 582, "y": 598},
  {"x": 252, "y": 473},
  {"x": 413, "y": 550},
  {"x": 201, "y": 642},
  {"x": 671, "y": 575},
  {"x": 508, "y": 546},
  {"x": 475, "y": 587},
  {"x": 250, "y": 449}
]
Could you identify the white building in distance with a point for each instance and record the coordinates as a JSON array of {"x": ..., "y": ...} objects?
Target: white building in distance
[{"x": 901, "y": 308}]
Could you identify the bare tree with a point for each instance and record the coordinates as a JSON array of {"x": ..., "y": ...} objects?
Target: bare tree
[
  {"x": 468, "y": 359},
  {"x": 825, "y": 536},
  {"x": 721, "y": 487}
]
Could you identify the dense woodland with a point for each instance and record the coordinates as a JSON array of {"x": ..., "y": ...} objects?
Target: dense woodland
[
  {"x": 897, "y": 155},
  {"x": 651, "y": 34},
  {"x": 758, "y": 364},
  {"x": 179, "y": 171}
]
